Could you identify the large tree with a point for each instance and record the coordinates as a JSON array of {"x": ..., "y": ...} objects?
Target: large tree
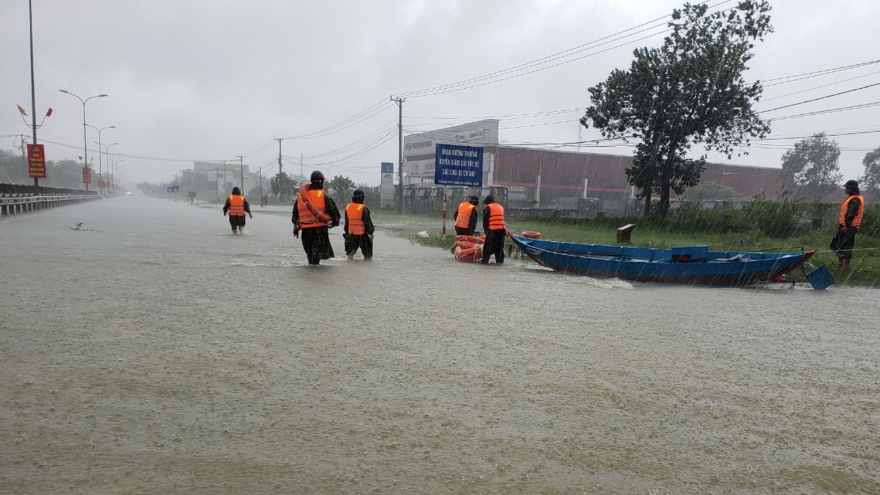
[
  {"x": 282, "y": 186},
  {"x": 871, "y": 180},
  {"x": 811, "y": 169},
  {"x": 342, "y": 185},
  {"x": 689, "y": 91}
]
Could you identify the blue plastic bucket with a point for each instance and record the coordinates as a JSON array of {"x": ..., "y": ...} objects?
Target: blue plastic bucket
[{"x": 820, "y": 278}]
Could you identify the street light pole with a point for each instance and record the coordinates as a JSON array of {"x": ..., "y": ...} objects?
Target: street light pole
[
  {"x": 33, "y": 90},
  {"x": 115, "y": 181},
  {"x": 100, "y": 166},
  {"x": 241, "y": 173},
  {"x": 106, "y": 154},
  {"x": 85, "y": 139}
]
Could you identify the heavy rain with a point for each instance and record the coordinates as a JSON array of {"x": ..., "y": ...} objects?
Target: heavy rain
[
  {"x": 152, "y": 351},
  {"x": 475, "y": 247}
]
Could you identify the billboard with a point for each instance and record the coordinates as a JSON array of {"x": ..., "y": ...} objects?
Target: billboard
[
  {"x": 36, "y": 161},
  {"x": 387, "y": 183},
  {"x": 420, "y": 168},
  {"x": 458, "y": 165}
]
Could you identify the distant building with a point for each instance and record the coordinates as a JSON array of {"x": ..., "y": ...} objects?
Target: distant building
[
  {"x": 542, "y": 178},
  {"x": 216, "y": 179}
]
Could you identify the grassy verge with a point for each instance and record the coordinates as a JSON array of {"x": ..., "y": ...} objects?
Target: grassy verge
[{"x": 864, "y": 271}]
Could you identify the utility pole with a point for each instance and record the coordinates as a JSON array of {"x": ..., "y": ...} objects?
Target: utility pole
[
  {"x": 24, "y": 152},
  {"x": 261, "y": 185},
  {"x": 33, "y": 91},
  {"x": 279, "y": 155},
  {"x": 241, "y": 173},
  {"x": 225, "y": 180},
  {"x": 399, "y": 102}
]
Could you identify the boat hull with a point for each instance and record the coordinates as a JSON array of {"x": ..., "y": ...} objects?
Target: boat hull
[{"x": 728, "y": 269}]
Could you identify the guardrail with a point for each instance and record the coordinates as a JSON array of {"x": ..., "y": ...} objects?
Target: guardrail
[{"x": 13, "y": 204}]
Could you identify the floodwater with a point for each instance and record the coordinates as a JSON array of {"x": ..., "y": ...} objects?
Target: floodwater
[{"x": 153, "y": 352}]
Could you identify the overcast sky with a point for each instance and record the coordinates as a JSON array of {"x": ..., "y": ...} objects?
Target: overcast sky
[{"x": 211, "y": 80}]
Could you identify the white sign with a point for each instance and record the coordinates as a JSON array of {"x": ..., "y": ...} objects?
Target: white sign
[
  {"x": 420, "y": 168},
  {"x": 469, "y": 136}
]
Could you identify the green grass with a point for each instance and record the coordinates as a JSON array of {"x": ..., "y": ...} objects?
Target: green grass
[{"x": 864, "y": 270}]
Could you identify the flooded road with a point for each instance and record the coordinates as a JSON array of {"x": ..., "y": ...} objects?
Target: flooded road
[{"x": 153, "y": 352}]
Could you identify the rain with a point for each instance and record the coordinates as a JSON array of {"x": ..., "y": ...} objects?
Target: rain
[{"x": 643, "y": 335}]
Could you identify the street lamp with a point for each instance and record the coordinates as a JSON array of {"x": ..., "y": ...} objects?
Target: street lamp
[
  {"x": 100, "y": 166},
  {"x": 85, "y": 139},
  {"x": 105, "y": 154},
  {"x": 116, "y": 173}
]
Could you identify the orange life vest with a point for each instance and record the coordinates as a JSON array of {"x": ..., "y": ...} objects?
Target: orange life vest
[
  {"x": 496, "y": 217},
  {"x": 355, "y": 213},
  {"x": 236, "y": 206},
  {"x": 857, "y": 221},
  {"x": 463, "y": 219},
  {"x": 307, "y": 219}
]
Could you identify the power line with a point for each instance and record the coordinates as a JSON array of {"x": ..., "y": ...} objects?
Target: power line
[
  {"x": 366, "y": 114},
  {"x": 820, "y": 98},
  {"x": 542, "y": 63},
  {"x": 823, "y": 112},
  {"x": 810, "y": 75},
  {"x": 818, "y": 87}
]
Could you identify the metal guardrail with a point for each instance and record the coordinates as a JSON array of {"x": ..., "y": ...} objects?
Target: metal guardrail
[{"x": 13, "y": 204}]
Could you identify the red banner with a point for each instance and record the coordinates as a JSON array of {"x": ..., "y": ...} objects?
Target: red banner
[
  {"x": 36, "y": 161},
  {"x": 87, "y": 175}
]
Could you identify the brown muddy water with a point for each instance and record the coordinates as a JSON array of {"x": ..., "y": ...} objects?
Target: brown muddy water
[{"x": 152, "y": 352}]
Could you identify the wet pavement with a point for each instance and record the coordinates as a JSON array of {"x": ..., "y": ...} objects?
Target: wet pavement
[{"x": 151, "y": 351}]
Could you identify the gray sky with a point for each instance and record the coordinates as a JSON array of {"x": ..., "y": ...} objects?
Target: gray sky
[{"x": 210, "y": 80}]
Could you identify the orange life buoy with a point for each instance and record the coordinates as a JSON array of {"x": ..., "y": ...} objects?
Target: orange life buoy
[
  {"x": 469, "y": 255},
  {"x": 528, "y": 234},
  {"x": 468, "y": 238},
  {"x": 303, "y": 189}
]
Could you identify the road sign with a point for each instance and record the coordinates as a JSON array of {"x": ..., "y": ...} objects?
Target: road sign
[{"x": 458, "y": 165}]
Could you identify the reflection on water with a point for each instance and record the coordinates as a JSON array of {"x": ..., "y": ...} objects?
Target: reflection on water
[{"x": 157, "y": 353}]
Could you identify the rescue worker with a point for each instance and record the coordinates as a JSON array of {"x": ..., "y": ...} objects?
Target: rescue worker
[
  {"x": 237, "y": 205},
  {"x": 466, "y": 218},
  {"x": 848, "y": 223},
  {"x": 496, "y": 231},
  {"x": 315, "y": 232},
  {"x": 358, "y": 227}
]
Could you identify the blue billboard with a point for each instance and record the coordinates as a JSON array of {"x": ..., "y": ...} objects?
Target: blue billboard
[
  {"x": 458, "y": 165},
  {"x": 387, "y": 168}
]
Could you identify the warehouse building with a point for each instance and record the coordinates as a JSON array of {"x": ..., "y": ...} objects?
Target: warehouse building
[{"x": 560, "y": 180}]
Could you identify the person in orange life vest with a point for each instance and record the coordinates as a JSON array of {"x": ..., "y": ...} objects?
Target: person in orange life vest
[
  {"x": 848, "y": 223},
  {"x": 466, "y": 218},
  {"x": 315, "y": 232},
  {"x": 236, "y": 205},
  {"x": 496, "y": 231},
  {"x": 358, "y": 227}
]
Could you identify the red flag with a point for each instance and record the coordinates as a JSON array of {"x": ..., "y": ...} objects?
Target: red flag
[
  {"x": 21, "y": 110},
  {"x": 49, "y": 113}
]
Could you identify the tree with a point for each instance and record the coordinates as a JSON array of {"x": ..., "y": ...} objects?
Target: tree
[
  {"x": 689, "y": 91},
  {"x": 65, "y": 173},
  {"x": 871, "y": 180},
  {"x": 13, "y": 168},
  {"x": 811, "y": 169},
  {"x": 343, "y": 186},
  {"x": 282, "y": 186}
]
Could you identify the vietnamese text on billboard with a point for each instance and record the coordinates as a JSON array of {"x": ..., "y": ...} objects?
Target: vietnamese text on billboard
[
  {"x": 36, "y": 161},
  {"x": 458, "y": 165}
]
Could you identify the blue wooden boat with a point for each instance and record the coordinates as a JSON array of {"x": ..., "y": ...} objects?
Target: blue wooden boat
[{"x": 681, "y": 265}]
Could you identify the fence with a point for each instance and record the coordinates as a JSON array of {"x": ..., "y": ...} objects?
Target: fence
[{"x": 17, "y": 203}]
